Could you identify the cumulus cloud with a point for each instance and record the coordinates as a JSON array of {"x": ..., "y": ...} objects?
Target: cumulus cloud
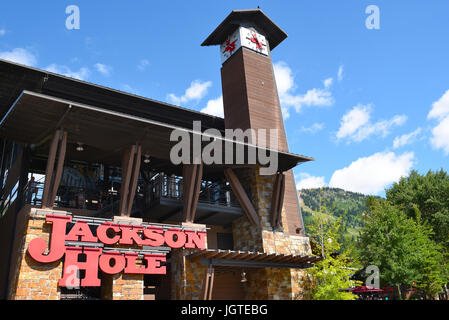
[
  {"x": 19, "y": 55},
  {"x": 440, "y": 133},
  {"x": 406, "y": 139},
  {"x": 371, "y": 175},
  {"x": 314, "y": 128},
  {"x": 103, "y": 69},
  {"x": 328, "y": 82},
  {"x": 440, "y": 136},
  {"x": 356, "y": 126},
  {"x": 214, "y": 107},
  {"x": 308, "y": 181},
  {"x": 196, "y": 91},
  {"x": 81, "y": 74},
  {"x": 289, "y": 99},
  {"x": 440, "y": 108}
]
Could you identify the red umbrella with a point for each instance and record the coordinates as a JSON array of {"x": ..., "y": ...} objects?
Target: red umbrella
[{"x": 366, "y": 289}]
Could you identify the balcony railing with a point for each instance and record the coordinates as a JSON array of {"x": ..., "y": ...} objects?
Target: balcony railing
[
  {"x": 171, "y": 188},
  {"x": 161, "y": 187}
]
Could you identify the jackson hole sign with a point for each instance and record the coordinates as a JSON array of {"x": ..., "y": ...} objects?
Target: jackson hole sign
[{"x": 115, "y": 237}]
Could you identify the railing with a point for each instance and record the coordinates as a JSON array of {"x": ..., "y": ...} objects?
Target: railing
[
  {"x": 160, "y": 187},
  {"x": 68, "y": 197},
  {"x": 171, "y": 187}
]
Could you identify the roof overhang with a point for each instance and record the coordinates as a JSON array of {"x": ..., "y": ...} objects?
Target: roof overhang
[
  {"x": 256, "y": 17},
  {"x": 34, "y": 117},
  {"x": 230, "y": 258}
]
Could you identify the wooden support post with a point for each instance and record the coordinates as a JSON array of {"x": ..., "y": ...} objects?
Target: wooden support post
[
  {"x": 208, "y": 284},
  {"x": 127, "y": 163},
  {"x": 134, "y": 179},
  {"x": 59, "y": 168},
  {"x": 242, "y": 197},
  {"x": 192, "y": 177},
  {"x": 52, "y": 178},
  {"x": 130, "y": 174},
  {"x": 277, "y": 199},
  {"x": 50, "y": 167}
]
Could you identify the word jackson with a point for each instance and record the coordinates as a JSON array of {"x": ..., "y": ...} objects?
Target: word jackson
[{"x": 110, "y": 262}]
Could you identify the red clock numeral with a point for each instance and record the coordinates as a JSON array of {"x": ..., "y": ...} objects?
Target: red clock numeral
[
  {"x": 230, "y": 46},
  {"x": 254, "y": 39}
]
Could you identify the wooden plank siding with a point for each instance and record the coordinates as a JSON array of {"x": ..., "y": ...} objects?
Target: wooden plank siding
[{"x": 251, "y": 100}]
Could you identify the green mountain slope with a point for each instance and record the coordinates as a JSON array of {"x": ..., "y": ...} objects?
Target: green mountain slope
[{"x": 337, "y": 202}]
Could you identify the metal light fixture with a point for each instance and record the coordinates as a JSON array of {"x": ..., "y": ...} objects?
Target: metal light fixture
[
  {"x": 147, "y": 158},
  {"x": 79, "y": 147},
  {"x": 243, "y": 277}
]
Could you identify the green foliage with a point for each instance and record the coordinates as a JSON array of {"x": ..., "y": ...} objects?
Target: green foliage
[
  {"x": 334, "y": 272},
  {"x": 402, "y": 248},
  {"x": 426, "y": 196}
]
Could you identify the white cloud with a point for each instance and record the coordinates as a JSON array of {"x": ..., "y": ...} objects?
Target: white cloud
[
  {"x": 328, "y": 82},
  {"x": 81, "y": 74},
  {"x": 286, "y": 86},
  {"x": 103, "y": 69},
  {"x": 406, "y": 139},
  {"x": 355, "y": 125},
  {"x": 353, "y": 120},
  {"x": 340, "y": 73},
  {"x": 19, "y": 55},
  {"x": 440, "y": 133},
  {"x": 196, "y": 91},
  {"x": 308, "y": 181},
  {"x": 314, "y": 128},
  {"x": 371, "y": 175},
  {"x": 214, "y": 107},
  {"x": 440, "y": 108},
  {"x": 143, "y": 64},
  {"x": 2, "y": 32}
]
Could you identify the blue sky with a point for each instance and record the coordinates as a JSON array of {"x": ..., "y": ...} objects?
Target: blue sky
[{"x": 368, "y": 104}]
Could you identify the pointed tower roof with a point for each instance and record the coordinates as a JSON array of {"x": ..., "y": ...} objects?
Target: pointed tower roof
[{"x": 256, "y": 17}]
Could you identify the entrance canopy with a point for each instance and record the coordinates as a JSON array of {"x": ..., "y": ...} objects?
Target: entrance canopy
[{"x": 230, "y": 258}]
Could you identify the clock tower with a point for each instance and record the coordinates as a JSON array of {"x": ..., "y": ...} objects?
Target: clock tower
[{"x": 250, "y": 97}]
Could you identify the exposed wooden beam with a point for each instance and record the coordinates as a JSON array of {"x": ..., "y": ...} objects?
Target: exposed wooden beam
[
  {"x": 208, "y": 284},
  {"x": 192, "y": 177},
  {"x": 59, "y": 169},
  {"x": 134, "y": 178},
  {"x": 277, "y": 199},
  {"x": 50, "y": 168},
  {"x": 127, "y": 166},
  {"x": 242, "y": 197}
]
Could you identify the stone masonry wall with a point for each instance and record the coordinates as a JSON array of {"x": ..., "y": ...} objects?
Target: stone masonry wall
[
  {"x": 31, "y": 280},
  {"x": 268, "y": 283}
]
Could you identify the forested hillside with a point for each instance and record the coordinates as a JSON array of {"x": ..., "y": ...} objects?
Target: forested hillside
[{"x": 335, "y": 202}]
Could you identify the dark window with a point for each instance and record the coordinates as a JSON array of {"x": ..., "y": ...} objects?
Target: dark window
[{"x": 225, "y": 241}]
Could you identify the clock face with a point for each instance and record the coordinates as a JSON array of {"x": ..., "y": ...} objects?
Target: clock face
[
  {"x": 254, "y": 41},
  {"x": 230, "y": 46}
]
